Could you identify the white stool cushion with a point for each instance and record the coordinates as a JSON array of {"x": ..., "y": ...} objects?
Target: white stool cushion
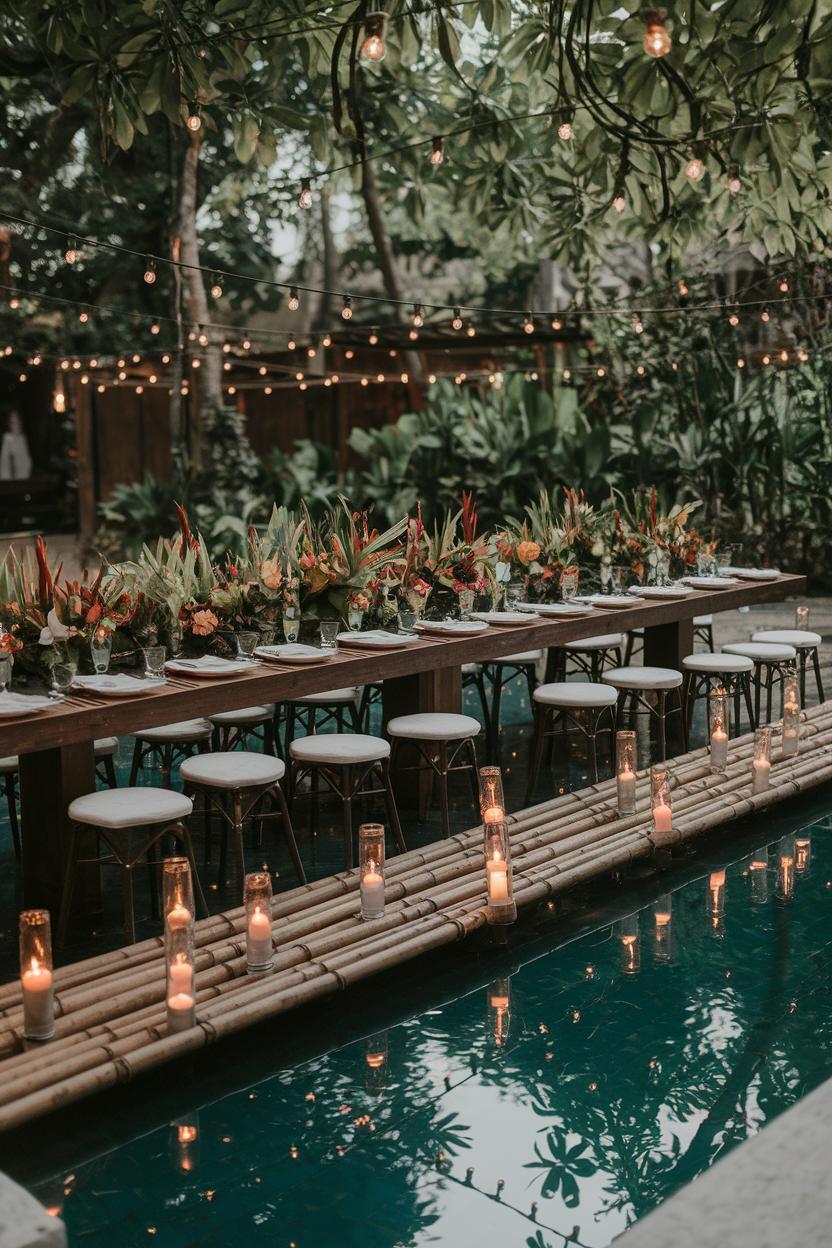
[
  {"x": 471, "y": 669},
  {"x": 575, "y": 693},
  {"x": 186, "y": 730},
  {"x": 248, "y": 715},
  {"x": 800, "y": 638},
  {"x": 333, "y": 697},
  {"x": 762, "y": 650},
  {"x": 608, "y": 642},
  {"x": 527, "y": 656},
  {"x": 129, "y": 808},
  {"x": 8, "y": 764},
  {"x": 434, "y": 726},
  {"x": 105, "y": 746},
  {"x": 717, "y": 663},
  {"x": 232, "y": 769},
  {"x": 339, "y": 749},
  {"x": 702, "y": 621},
  {"x": 643, "y": 678}
]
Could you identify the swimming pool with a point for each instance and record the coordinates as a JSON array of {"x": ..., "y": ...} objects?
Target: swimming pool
[{"x": 558, "y": 1088}]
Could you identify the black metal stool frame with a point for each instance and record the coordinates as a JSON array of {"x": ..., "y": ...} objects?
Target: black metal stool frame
[
  {"x": 346, "y": 781},
  {"x": 561, "y": 717}
]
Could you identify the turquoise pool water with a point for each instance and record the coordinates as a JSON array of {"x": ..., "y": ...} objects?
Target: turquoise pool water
[{"x": 553, "y": 1090}]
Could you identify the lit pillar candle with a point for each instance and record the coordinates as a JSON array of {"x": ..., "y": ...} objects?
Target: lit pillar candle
[
  {"x": 761, "y": 766},
  {"x": 180, "y": 1011},
  {"x": 493, "y": 814},
  {"x": 497, "y": 875},
  {"x": 497, "y": 848},
  {"x": 625, "y": 766},
  {"x": 661, "y": 800},
  {"x": 36, "y": 975},
  {"x": 718, "y": 720},
  {"x": 257, "y": 902},
  {"x": 371, "y": 868}
]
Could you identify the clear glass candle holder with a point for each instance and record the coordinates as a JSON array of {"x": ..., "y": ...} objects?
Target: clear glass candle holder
[
  {"x": 178, "y": 906},
  {"x": 718, "y": 728},
  {"x": 36, "y": 975},
  {"x": 761, "y": 763},
  {"x": 154, "y": 661},
  {"x": 257, "y": 899},
  {"x": 630, "y": 936},
  {"x": 291, "y": 623},
  {"x": 492, "y": 801},
  {"x": 177, "y": 892},
  {"x": 569, "y": 583},
  {"x": 625, "y": 770},
  {"x": 499, "y": 1009},
  {"x": 801, "y": 618},
  {"x": 790, "y": 743},
  {"x": 498, "y": 881},
  {"x": 371, "y": 869},
  {"x": 663, "y": 936},
  {"x": 661, "y": 800},
  {"x": 247, "y": 642},
  {"x": 329, "y": 634},
  {"x": 101, "y": 645}
]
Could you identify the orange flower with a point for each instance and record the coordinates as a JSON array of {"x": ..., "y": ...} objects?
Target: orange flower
[
  {"x": 527, "y": 552},
  {"x": 271, "y": 574},
  {"x": 203, "y": 623}
]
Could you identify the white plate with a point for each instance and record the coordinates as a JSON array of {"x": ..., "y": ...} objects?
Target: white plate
[
  {"x": 453, "y": 628},
  {"x": 118, "y": 685},
  {"x": 505, "y": 617},
  {"x": 293, "y": 652},
  {"x": 15, "y": 705},
  {"x": 209, "y": 667},
  {"x": 613, "y": 600},
  {"x": 710, "y": 582},
  {"x": 752, "y": 574},
  {"x": 378, "y": 639},
  {"x": 660, "y": 591},
  {"x": 556, "y": 609}
]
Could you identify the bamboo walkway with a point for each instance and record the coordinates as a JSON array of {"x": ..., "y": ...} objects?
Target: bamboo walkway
[{"x": 110, "y": 1012}]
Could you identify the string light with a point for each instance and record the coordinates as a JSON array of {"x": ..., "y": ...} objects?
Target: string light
[
  {"x": 740, "y": 362},
  {"x": 566, "y": 131},
  {"x": 155, "y": 328},
  {"x": 71, "y": 253},
  {"x": 567, "y": 374},
  {"x": 733, "y": 183},
  {"x": 246, "y": 344},
  {"x": 784, "y": 286},
  {"x": 784, "y": 357},
  {"x": 733, "y": 320},
  {"x": 694, "y": 169},
  {"x": 528, "y": 323},
  {"x": 14, "y": 304},
  {"x": 216, "y": 288},
  {"x": 619, "y": 203},
  {"x": 346, "y": 311},
  {"x": 326, "y": 341},
  {"x": 656, "y": 40},
  {"x": 471, "y": 330},
  {"x": 456, "y": 323},
  {"x": 437, "y": 154},
  {"x": 413, "y": 334},
  {"x": 150, "y": 271},
  {"x": 305, "y": 197},
  {"x": 83, "y": 317},
  {"x": 557, "y": 323},
  {"x": 638, "y": 325},
  {"x": 418, "y": 319},
  {"x": 765, "y": 316},
  {"x": 194, "y": 121},
  {"x": 684, "y": 289},
  {"x": 373, "y": 47},
  {"x": 373, "y": 338},
  {"x": 293, "y": 302}
]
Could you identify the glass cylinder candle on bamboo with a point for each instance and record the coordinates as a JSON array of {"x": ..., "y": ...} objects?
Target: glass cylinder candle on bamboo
[
  {"x": 718, "y": 723},
  {"x": 257, "y": 899},
  {"x": 371, "y": 868},
  {"x": 625, "y": 769},
  {"x": 499, "y": 1009},
  {"x": 791, "y": 713},
  {"x": 661, "y": 800},
  {"x": 36, "y": 975},
  {"x": 761, "y": 763},
  {"x": 178, "y": 906},
  {"x": 498, "y": 882}
]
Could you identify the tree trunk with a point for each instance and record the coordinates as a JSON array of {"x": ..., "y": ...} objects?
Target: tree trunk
[
  {"x": 387, "y": 263},
  {"x": 323, "y": 316},
  {"x": 196, "y": 300}
]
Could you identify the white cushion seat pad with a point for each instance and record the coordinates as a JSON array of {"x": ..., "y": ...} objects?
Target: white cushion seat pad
[
  {"x": 434, "y": 726},
  {"x": 717, "y": 663},
  {"x": 643, "y": 678},
  {"x": 762, "y": 651},
  {"x": 248, "y": 715},
  {"x": 332, "y": 697},
  {"x": 527, "y": 656},
  {"x": 129, "y": 808},
  {"x": 232, "y": 769},
  {"x": 185, "y": 730},
  {"x": 608, "y": 641},
  {"x": 105, "y": 745},
  {"x": 800, "y": 638},
  {"x": 702, "y": 621},
  {"x": 339, "y": 748},
  {"x": 575, "y": 693}
]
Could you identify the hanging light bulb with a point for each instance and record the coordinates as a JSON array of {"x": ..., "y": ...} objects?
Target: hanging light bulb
[
  {"x": 764, "y": 316},
  {"x": 437, "y": 154},
  {"x": 194, "y": 121},
  {"x": 557, "y": 323},
  {"x": 694, "y": 169},
  {"x": 155, "y": 329},
  {"x": 740, "y": 362},
  {"x": 766, "y": 359},
  {"x": 373, "y": 338},
  {"x": 684, "y": 289},
  {"x": 567, "y": 374},
  {"x": 566, "y": 131},
  {"x": 346, "y": 311},
  {"x": 733, "y": 183},
  {"x": 71, "y": 253},
  {"x": 59, "y": 396},
  {"x": 149, "y": 271},
  {"x": 293, "y": 302},
  {"x": 733, "y": 320},
  {"x": 640, "y": 369},
  {"x": 326, "y": 341},
  {"x": 83, "y": 317},
  {"x": 456, "y": 323},
  {"x": 784, "y": 357},
  {"x": 418, "y": 319},
  {"x": 656, "y": 41},
  {"x": 470, "y": 330},
  {"x": 413, "y": 335},
  {"x": 246, "y": 344},
  {"x": 638, "y": 325},
  {"x": 373, "y": 47},
  {"x": 216, "y": 288},
  {"x": 784, "y": 286},
  {"x": 14, "y": 303},
  {"x": 305, "y": 197},
  {"x": 528, "y": 323},
  {"x": 619, "y": 203}
]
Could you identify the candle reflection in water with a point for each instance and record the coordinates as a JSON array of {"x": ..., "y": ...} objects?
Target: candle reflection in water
[
  {"x": 499, "y": 1009},
  {"x": 716, "y": 902},
  {"x": 184, "y": 1143},
  {"x": 630, "y": 945},
  {"x": 663, "y": 916},
  {"x": 375, "y": 1063},
  {"x": 802, "y": 854},
  {"x": 785, "y": 877},
  {"x": 758, "y": 870}
]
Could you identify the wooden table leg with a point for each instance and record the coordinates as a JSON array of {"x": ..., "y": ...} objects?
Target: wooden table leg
[
  {"x": 409, "y": 695},
  {"x": 665, "y": 645},
  {"x": 49, "y": 781}
]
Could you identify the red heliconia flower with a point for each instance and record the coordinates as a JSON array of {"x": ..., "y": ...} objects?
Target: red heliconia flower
[
  {"x": 469, "y": 517},
  {"x": 94, "y": 613},
  {"x": 188, "y": 538},
  {"x": 44, "y": 575}
]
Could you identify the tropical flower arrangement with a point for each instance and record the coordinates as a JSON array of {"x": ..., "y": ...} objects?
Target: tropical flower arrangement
[
  {"x": 451, "y": 566},
  {"x": 538, "y": 552}
]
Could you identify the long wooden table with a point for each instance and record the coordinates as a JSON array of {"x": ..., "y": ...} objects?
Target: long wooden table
[{"x": 56, "y": 747}]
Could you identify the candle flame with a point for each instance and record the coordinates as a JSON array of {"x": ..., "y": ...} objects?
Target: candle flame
[{"x": 187, "y": 1134}]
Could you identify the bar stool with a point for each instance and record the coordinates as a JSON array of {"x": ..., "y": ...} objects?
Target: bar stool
[
  {"x": 807, "y": 645},
  {"x": 232, "y": 727},
  {"x": 592, "y": 654},
  {"x": 635, "y": 645},
  {"x": 732, "y": 672},
  {"x": 770, "y": 661},
  {"x": 370, "y": 696},
  {"x": 474, "y": 674},
  {"x": 347, "y": 763},
  {"x": 319, "y": 709},
  {"x": 439, "y": 740},
  {"x": 635, "y": 684},
  {"x": 585, "y": 705},
  {"x": 502, "y": 672},
  {"x": 172, "y": 741},
  {"x": 246, "y": 778},
  {"x": 115, "y": 814},
  {"x": 104, "y": 750},
  {"x": 703, "y": 630}
]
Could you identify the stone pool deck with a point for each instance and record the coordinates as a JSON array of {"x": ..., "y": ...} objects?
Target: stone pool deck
[{"x": 771, "y": 1192}]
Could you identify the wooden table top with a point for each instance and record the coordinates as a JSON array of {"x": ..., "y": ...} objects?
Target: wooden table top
[{"x": 88, "y": 717}]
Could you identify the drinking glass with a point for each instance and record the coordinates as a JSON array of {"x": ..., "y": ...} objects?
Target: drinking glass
[
  {"x": 329, "y": 634},
  {"x": 407, "y": 618},
  {"x": 5, "y": 671},
  {"x": 466, "y": 603},
  {"x": 246, "y": 644},
  {"x": 514, "y": 594},
  {"x": 100, "y": 648},
  {"x": 291, "y": 624},
  {"x": 154, "y": 661},
  {"x": 64, "y": 670},
  {"x": 620, "y": 577},
  {"x": 569, "y": 583}
]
